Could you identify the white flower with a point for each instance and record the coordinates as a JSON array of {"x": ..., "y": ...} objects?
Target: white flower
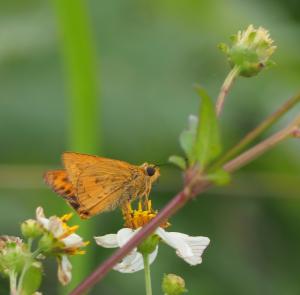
[
  {"x": 190, "y": 249},
  {"x": 62, "y": 242},
  {"x": 61, "y": 231}
]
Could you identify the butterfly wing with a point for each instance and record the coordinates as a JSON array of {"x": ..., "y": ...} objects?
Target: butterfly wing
[
  {"x": 59, "y": 182},
  {"x": 101, "y": 184}
]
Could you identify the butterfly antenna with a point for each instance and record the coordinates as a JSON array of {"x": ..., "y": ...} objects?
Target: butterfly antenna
[{"x": 162, "y": 164}]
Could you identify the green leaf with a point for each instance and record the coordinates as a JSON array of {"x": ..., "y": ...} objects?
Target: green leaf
[
  {"x": 188, "y": 136},
  {"x": 219, "y": 177},
  {"x": 32, "y": 279},
  {"x": 178, "y": 161},
  {"x": 207, "y": 145}
]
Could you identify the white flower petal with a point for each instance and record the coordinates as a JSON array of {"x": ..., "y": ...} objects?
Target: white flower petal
[
  {"x": 56, "y": 226},
  {"x": 40, "y": 216},
  {"x": 73, "y": 241},
  {"x": 64, "y": 270},
  {"x": 134, "y": 262},
  {"x": 124, "y": 235},
  {"x": 188, "y": 248},
  {"x": 107, "y": 241}
]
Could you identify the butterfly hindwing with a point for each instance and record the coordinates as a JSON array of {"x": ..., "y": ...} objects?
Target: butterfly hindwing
[{"x": 59, "y": 182}]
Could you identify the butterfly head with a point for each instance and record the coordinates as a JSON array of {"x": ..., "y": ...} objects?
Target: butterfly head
[{"x": 151, "y": 171}]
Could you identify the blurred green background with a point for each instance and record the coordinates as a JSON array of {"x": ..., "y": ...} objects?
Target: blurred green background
[{"x": 148, "y": 55}]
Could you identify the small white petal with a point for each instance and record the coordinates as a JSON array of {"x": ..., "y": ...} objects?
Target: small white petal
[
  {"x": 124, "y": 235},
  {"x": 64, "y": 270},
  {"x": 40, "y": 216},
  {"x": 188, "y": 248},
  {"x": 39, "y": 213},
  {"x": 73, "y": 241},
  {"x": 107, "y": 241},
  {"x": 134, "y": 262},
  {"x": 56, "y": 226}
]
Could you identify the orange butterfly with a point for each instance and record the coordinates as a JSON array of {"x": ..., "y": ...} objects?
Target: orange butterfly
[{"x": 92, "y": 184}]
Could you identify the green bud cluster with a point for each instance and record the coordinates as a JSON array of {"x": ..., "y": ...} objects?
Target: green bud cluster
[
  {"x": 13, "y": 255},
  {"x": 250, "y": 51}
]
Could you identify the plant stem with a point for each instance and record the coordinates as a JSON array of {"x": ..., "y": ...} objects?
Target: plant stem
[
  {"x": 147, "y": 274},
  {"x": 263, "y": 126},
  {"x": 13, "y": 283},
  {"x": 83, "y": 119},
  {"x": 262, "y": 147},
  {"x": 25, "y": 268},
  {"x": 232, "y": 75},
  {"x": 193, "y": 188}
]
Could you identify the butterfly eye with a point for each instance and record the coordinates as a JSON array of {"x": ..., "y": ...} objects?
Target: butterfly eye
[{"x": 150, "y": 171}]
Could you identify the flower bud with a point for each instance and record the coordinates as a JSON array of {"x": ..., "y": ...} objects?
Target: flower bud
[
  {"x": 250, "y": 51},
  {"x": 173, "y": 285},
  {"x": 149, "y": 245},
  {"x": 48, "y": 244},
  {"x": 13, "y": 254},
  {"x": 31, "y": 229}
]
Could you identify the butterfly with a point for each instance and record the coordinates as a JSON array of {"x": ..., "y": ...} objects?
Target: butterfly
[{"x": 92, "y": 184}]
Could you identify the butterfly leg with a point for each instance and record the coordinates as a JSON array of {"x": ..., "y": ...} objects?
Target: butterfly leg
[
  {"x": 146, "y": 201},
  {"x": 126, "y": 207},
  {"x": 146, "y": 195}
]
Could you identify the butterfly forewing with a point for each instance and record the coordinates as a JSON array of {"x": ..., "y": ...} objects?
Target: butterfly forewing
[{"x": 100, "y": 184}]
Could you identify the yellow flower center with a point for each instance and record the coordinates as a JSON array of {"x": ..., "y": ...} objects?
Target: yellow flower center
[{"x": 138, "y": 218}]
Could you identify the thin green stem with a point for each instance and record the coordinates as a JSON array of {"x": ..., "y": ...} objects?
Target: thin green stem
[
  {"x": 147, "y": 274},
  {"x": 25, "y": 267},
  {"x": 228, "y": 82},
  {"x": 263, "y": 126},
  {"x": 13, "y": 283},
  {"x": 263, "y": 146}
]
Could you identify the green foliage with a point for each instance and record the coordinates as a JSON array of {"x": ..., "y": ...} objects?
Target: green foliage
[
  {"x": 187, "y": 138},
  {"x": 178, "y": 161},
  {"x": 207, "y": 143},
  {"x": 201, "y": 140}
]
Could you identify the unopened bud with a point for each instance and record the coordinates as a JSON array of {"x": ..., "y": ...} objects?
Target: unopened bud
[
  {"x": 173, "y": 285},
  {"x": 31, "y": 229}
]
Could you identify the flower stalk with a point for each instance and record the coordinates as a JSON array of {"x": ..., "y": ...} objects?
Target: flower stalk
[
  {"x": 263, "y": 146},
  {"x": 262, "y": 127},
  {"x": 228, "y": 82},
  {"x": 147, "y": 274},
  {"x": 13, "y": 283},
  {"x": 25, "y": 267}
]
